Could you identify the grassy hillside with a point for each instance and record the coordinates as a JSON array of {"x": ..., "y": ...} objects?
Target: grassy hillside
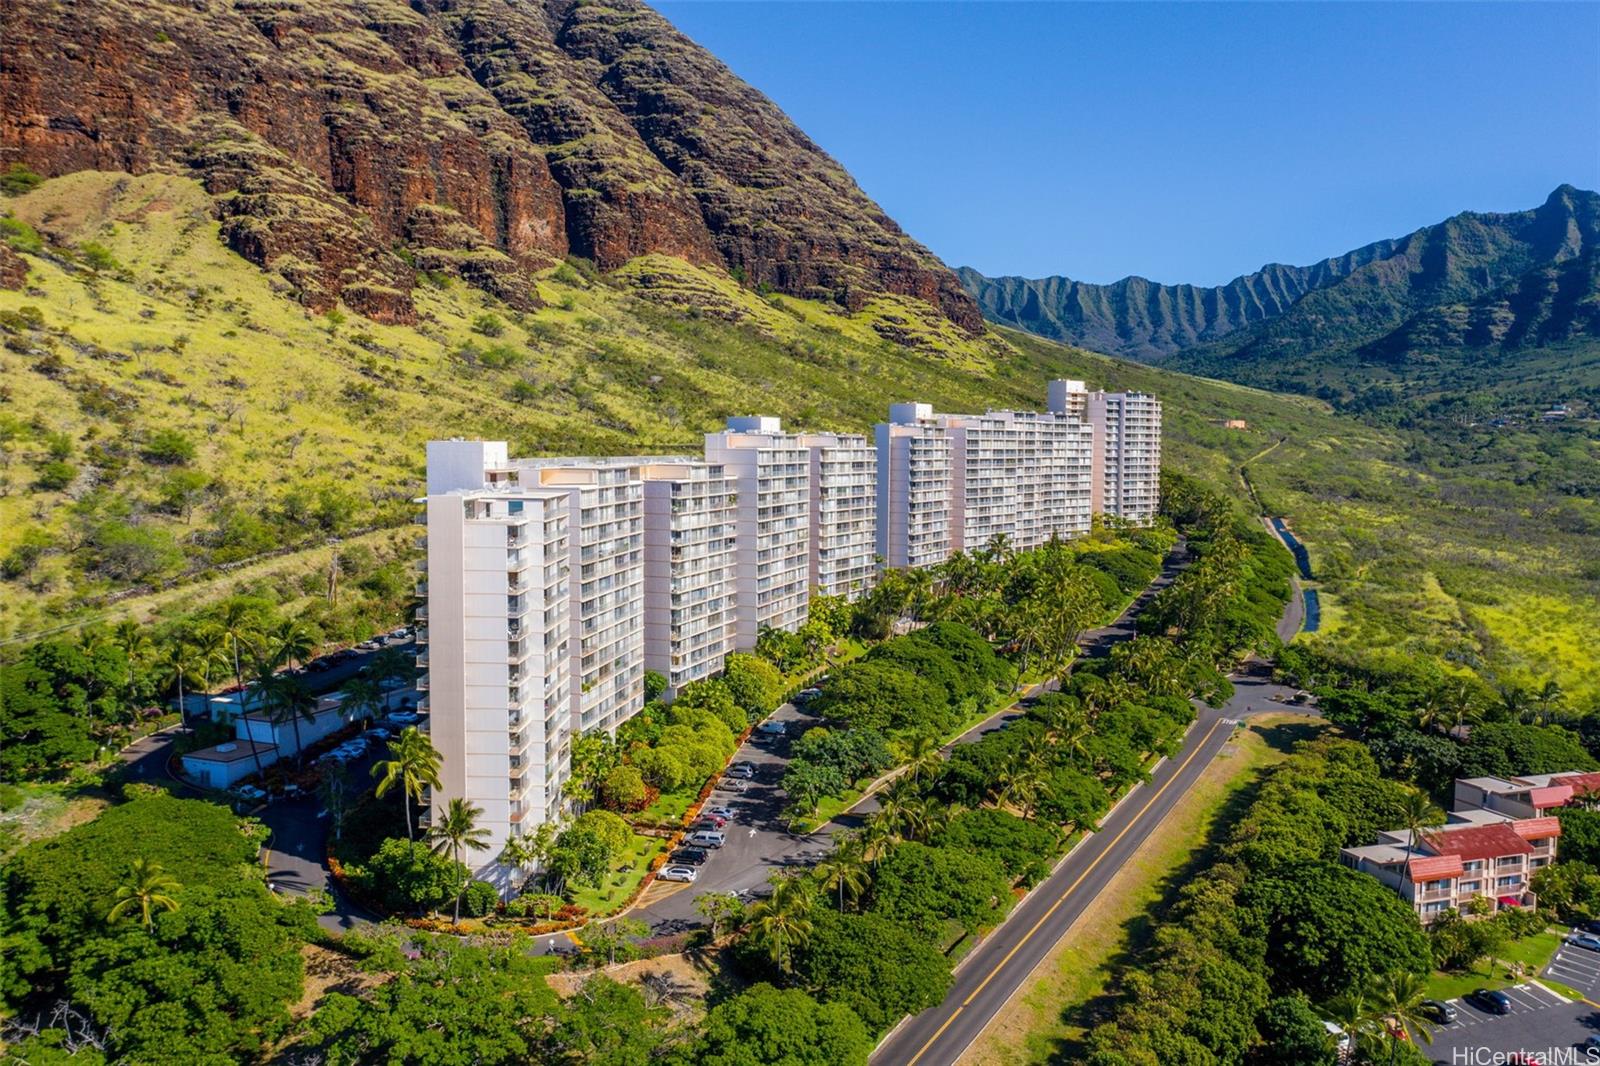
[{"x": 175, "y": 425}]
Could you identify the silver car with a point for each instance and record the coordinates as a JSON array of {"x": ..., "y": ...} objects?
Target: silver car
[{"x": 677, "y": 873}]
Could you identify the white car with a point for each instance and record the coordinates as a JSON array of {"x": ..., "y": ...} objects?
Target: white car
[
  {"x": 732, "y": 784},
  {"x": 250, "y": 792},
  {"x": 706, "y": 838},
  {"x": 772, "y": 729},
  {"x": 742, "y": 769},
  {"x": 724, "y": 813},
  {"x": 677, "y": 873}
]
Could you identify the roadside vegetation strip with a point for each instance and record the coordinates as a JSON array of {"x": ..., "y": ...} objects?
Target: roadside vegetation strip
[{"x": 1047, "y": 1014}]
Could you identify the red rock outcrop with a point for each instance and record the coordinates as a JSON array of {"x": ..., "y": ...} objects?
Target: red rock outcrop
[{"x": 349, "y": 142}]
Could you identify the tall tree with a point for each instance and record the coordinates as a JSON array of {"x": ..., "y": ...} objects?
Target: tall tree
[
  {"x": 148, "y": 887},
  {"x": 781, "y": 923},
  {"x": 1418, "y": 813},
  {"x": 1398, "y": 998},
  {"x": 456, "y": 830},
  {"x": 844, "y": 872},
  {"x": 413, "y": 764},
  {"x": 134, "y": 640},
  {"x": 284, "y": 700}
]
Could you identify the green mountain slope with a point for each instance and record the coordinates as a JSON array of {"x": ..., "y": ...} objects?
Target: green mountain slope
[
  {"x": 177, "y": 426},
  {"x": 1424, "y": 321}
]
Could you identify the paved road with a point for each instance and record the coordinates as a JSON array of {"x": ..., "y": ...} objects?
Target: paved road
[
  {"x": 1577, "y": 968},
  {"x": 759, "y": 841},
  {"x": 1542, "y": 1025},
  {"x": 999, "y": 966},
  {"x": 1294, "y": 615}
]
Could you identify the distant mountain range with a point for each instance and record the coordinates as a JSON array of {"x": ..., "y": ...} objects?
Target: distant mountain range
[{"x": 1473, "y": 290}]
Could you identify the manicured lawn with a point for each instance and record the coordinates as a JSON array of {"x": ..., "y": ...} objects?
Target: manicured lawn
[
  {"x": 668, "y": 807},
  {"x": 1533, "y": 952},
  {"x": 626, "y": 873}
]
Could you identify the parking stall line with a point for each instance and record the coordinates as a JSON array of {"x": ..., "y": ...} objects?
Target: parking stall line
[{"x": 1522, "y": 998}]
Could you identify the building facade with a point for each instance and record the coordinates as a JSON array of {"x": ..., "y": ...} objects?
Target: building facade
[
  {"x": 1127, "y": 454},
  {"x": 914, "y": 487},
  {"x": 1055, "y": 477},
  {"x": 772, "y": 471},
  {"x": 605, "y": 513},
  {"x": 690, "y": 566},
  {"x": 1488, "y": 850},
  {"x": 494, "y": 645},
  {"x": 843, "y": 513}
]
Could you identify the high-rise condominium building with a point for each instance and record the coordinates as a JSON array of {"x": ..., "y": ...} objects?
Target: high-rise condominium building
[
  {"x": 772, "y": 471},
  {"x": 844, "y": 513},
  {"x": 494, "y": 643},
  {"x": 1055, "y": 477},
  {"x": 913, "y": 487},
  {"x": 985, "y": 453},
  {"x": 1127, "y": 439},
  {"x": 690, "y": 607},
  {"x": 1068, "y": 397},
  {"x": 605, "y": 507}
]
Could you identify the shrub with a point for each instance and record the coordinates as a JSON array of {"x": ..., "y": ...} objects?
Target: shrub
[
  {"x": 623, "y": 789},
  {"x": 479, "y": 899},
  {"x": 53, "y": 477},
  {"x": 168, "y": 447},
  {"x": 489, "y": 325},
  {"x": 18, "y": 179},
  {"x": 404, "y": 875}
]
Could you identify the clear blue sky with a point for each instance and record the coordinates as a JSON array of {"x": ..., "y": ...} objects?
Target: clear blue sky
[{"x": 1183, "y": 142}]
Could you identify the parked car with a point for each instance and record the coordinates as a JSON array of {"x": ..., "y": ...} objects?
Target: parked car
[
  {"x": 676, "y": 873},
  {"x": 1300, "y": 697},
  {"x": 706, "y": 838},
  {"x": 378, "y": 732},
  {"x": 1591, "y": 926},
  {"x": 1490, "y": 1000},
  {"x": 805, "y": 696},
  {"x": 746, "y": 770},
  {"x": 1440, "y": 1011},
  {"x": 715, "y": 821},
  {"x": 1588, "y": 943},
  {"x": 689, "y": 856},
  {"x": 249, "y": 792},
  {"x": 772, "y": 728},
  {"x": 720, "y": 812},
  {"x": 1591, "y": 1041},
  {"x": 732, "y": 784},
  {"x": 402, "y": 718}
]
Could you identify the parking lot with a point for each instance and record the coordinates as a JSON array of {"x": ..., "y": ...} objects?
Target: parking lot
[
  {"x": 1542, "y": 1025},
  {"x": 1577, "y": 968}
]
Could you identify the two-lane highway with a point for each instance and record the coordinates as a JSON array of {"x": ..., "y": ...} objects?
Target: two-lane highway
[{"x": 1000, "y": 965}]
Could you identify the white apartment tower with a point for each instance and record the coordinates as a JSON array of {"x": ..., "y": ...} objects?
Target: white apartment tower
[
  {"x": 844, "y": 518},
  {"x": 605, "y": 507},
  {"x": 493, "y": 641},
  {"x": 985, "y": 452},
  {"x": 1055, "y": 477},
  {"x": 914, "y": 470},
  {"x": 772, "y": 471},
  {"x": 1127, "y": 439},
  {"x": 690, "y": 565}
]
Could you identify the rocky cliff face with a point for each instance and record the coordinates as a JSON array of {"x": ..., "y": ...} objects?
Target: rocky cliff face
[{"x": 350, "y": 143}]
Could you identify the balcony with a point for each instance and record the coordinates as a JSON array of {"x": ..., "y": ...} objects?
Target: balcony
[
  {"x": 422, "y": 590},
  {"x": 422, "y": 612},
  {"x": 422, "y": 634},
  {"x": 422, "y": 683}
]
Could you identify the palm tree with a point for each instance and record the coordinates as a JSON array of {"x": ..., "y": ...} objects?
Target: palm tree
[
  {"x": 844, "y": 872},
  {"x": 1549, "y": 698},
  {"x": 363, "y": 697},
  {"x": 134, "y": 640},
  {"x": 1417, "y": 813},
  {"x": 782, "y": 922},
  {"x": 923, "y": 757},
  {"x": 293, "y": 642},
  {"x": 1022, "y": 784},
  {"x": 1515, "y": 701},
  {"x": 240, "y": 627},
  {"x": 210, "y": 649},
  {"x": 458, "y": 829},
  {"x": 1356, "y": 1017},
  {"x": 1398, "y": 999},
  {"x": 146, "y": 888},
  {"x": 413, "y": 764},
  {"x": 334, "y": 790},
  {"x": 175, "y": 665},
  {"x": 285, "y": 699}
]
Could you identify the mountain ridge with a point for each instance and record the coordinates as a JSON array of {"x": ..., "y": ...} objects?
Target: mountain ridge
[{"x": 1383, "y": 299}]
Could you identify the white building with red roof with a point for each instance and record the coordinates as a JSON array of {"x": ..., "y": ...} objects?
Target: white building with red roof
[{"x": 1478, "y": 853}]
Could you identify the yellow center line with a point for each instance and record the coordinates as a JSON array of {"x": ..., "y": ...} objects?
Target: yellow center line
[{"x": 1062, "y": 898}]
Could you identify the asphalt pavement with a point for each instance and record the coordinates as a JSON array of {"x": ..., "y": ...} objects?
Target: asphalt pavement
[
  {"x": 1543, "y": 1026},
  {"x": 1000, "y": 965},
  {"x": 759, "y": 841}
]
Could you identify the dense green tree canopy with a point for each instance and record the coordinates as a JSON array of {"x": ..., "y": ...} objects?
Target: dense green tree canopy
[
  {"x": 764, "y": 1026},
  {"x": 878, "y": 968},
  {"x": 922, "y": 886}
]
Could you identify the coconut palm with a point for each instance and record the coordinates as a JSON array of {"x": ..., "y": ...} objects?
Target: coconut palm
[
  {"x": 210, "y": 651},
  {"x": 923, "y": 756},
  {"x": 1398, "y": 999},
  {"x": 1549, "y": 698},
  {"x": 363, "y": 697},
  {"x": 284, "y": 699},
  {"x": 1417, "y": 813},
  {"x": 844, "y": 872},
  {"x": 241, "y": 627},
  {"x": 456, "y": 830},
  {"x": 782, "y": 922},
  {"x": 1356, "y": 1017},
  {"x": 291, "y": 642},
  {"x": 147, "y": 888},
  {"x": 134, "y": 640},
  {"x": 413, "y": 764},
  {"x": 175, "y": 664},
  {"x": 1515, "y": 701}
]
